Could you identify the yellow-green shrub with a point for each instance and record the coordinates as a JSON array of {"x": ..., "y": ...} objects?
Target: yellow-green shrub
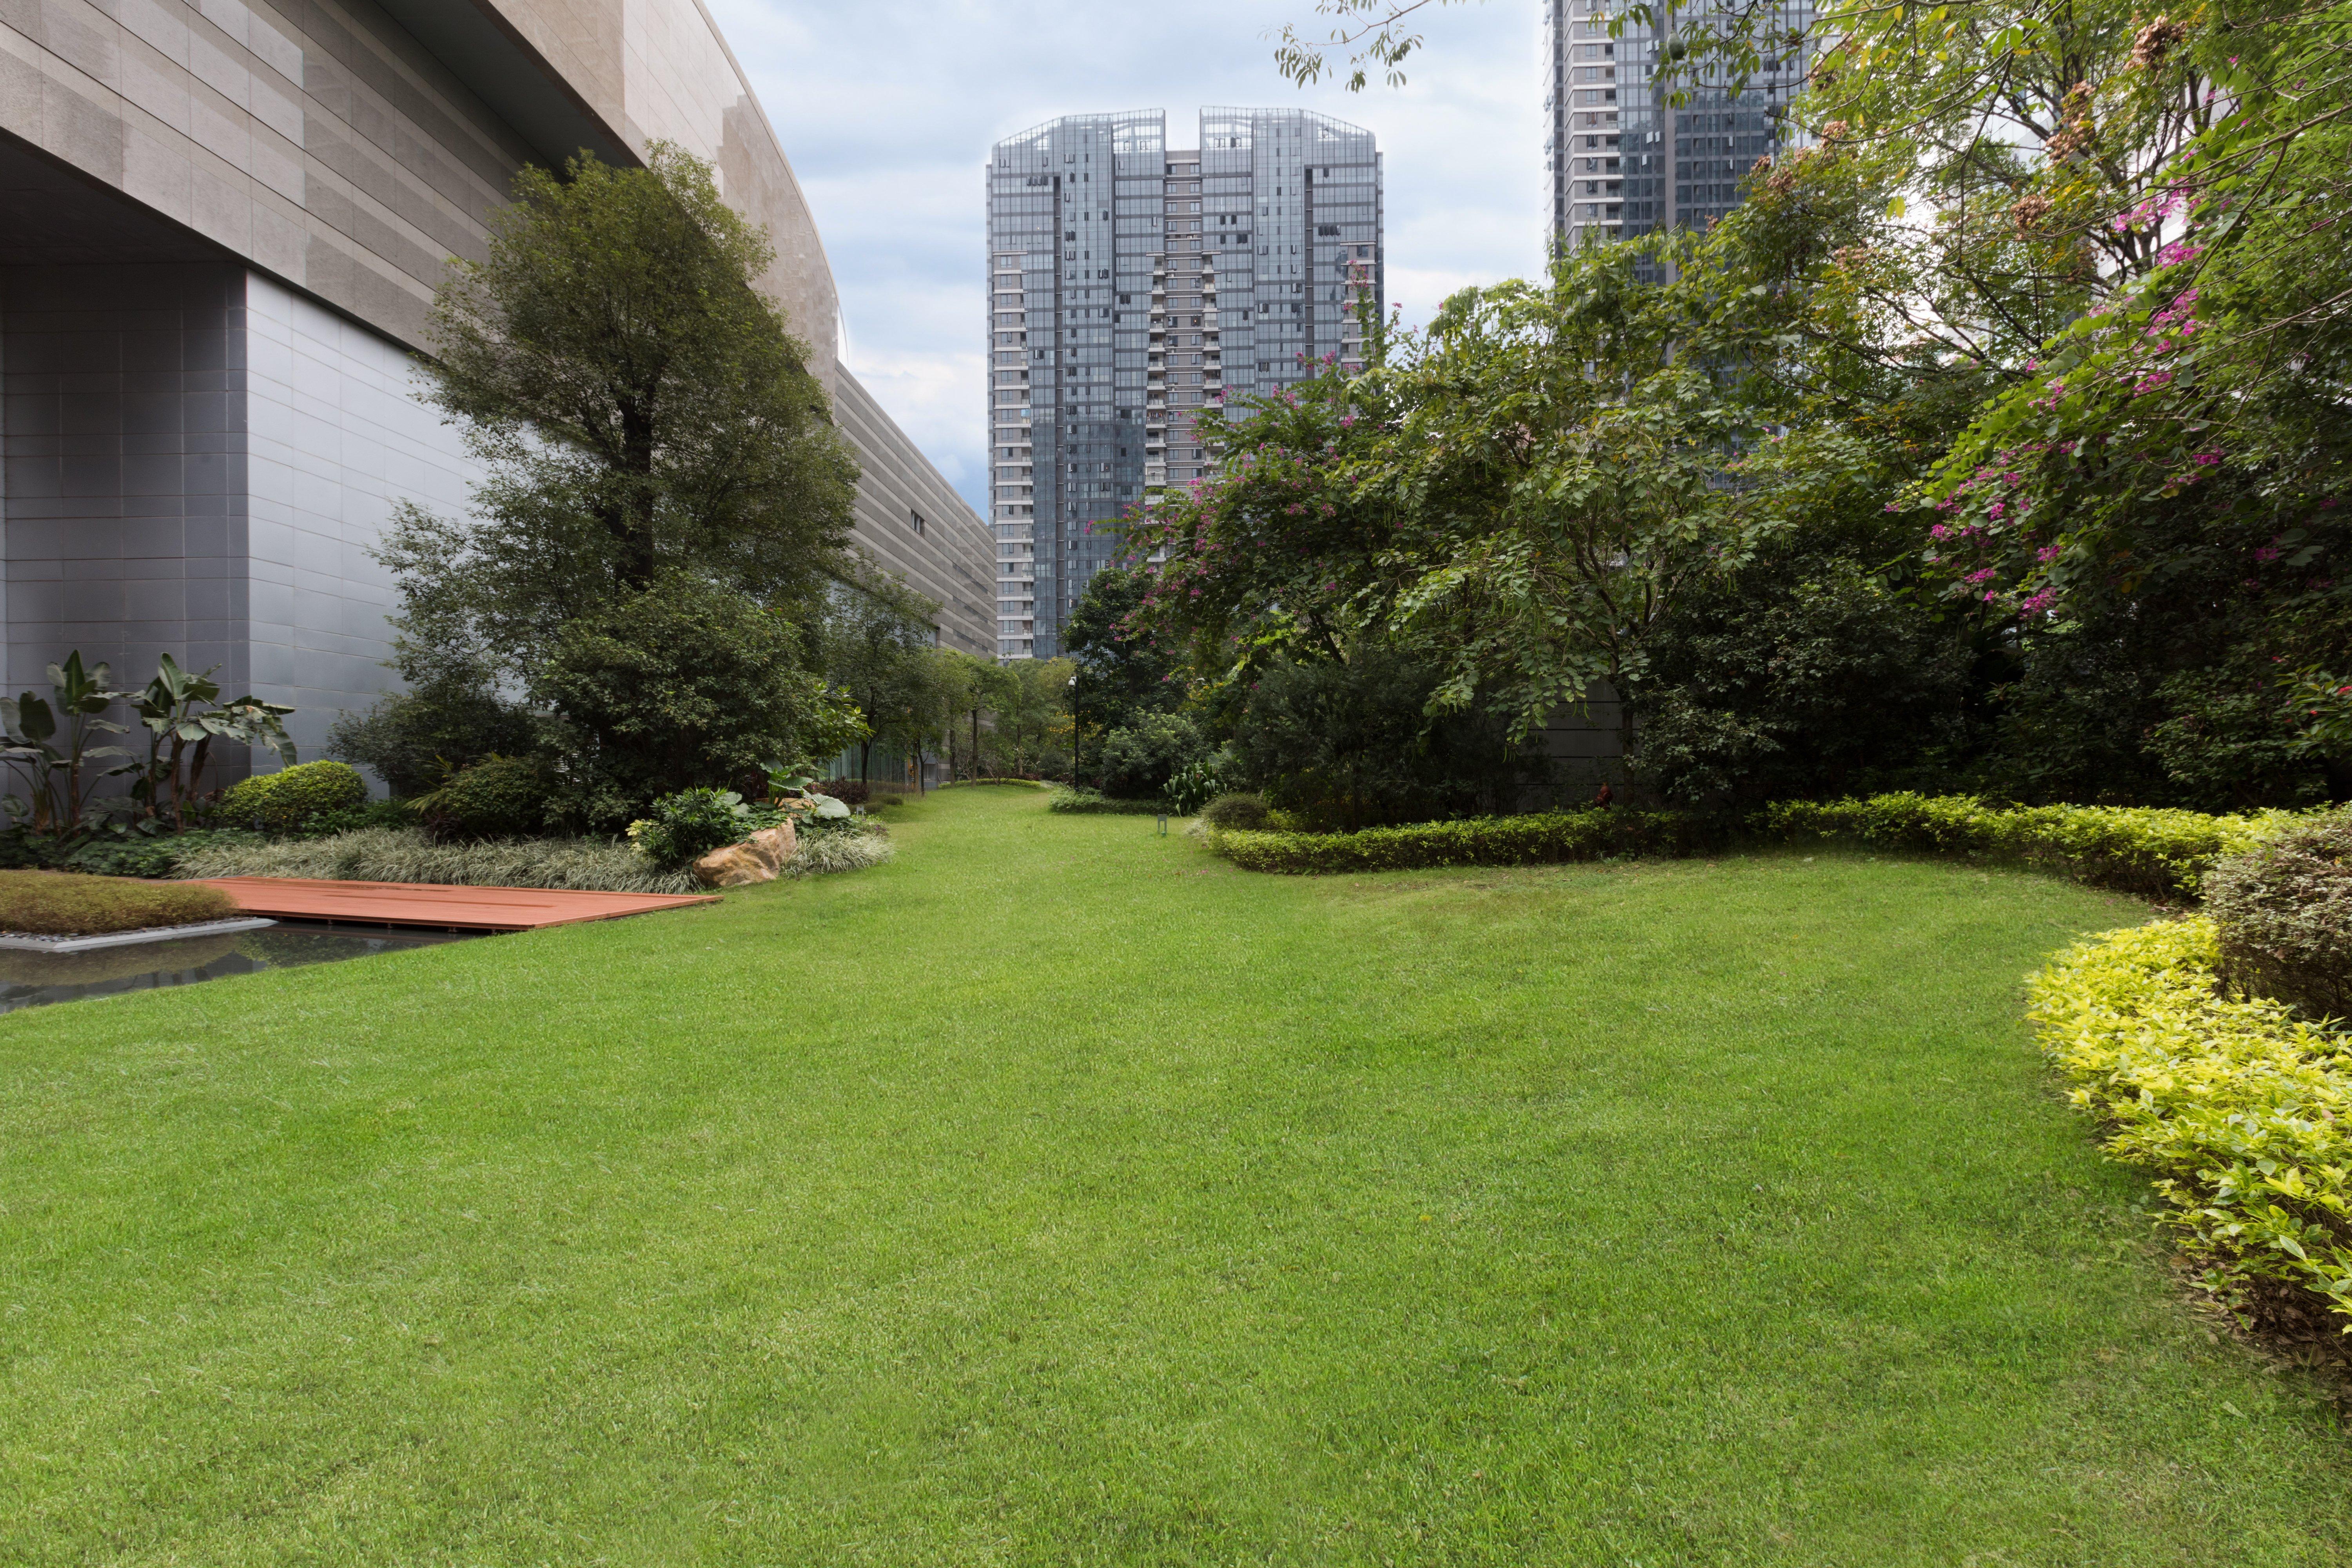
[
  {"x": 283, "y": 801},
  {"x": 2243, "y": 1113},
  {"x": 2158, "y": 853}
]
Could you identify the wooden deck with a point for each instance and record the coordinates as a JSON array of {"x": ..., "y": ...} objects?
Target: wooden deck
[{"x": 438, "y": 905}]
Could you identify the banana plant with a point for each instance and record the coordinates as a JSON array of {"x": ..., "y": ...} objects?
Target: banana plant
[
  {"x": 183, "y": 716},
  {"x": 52, "y": 744}
]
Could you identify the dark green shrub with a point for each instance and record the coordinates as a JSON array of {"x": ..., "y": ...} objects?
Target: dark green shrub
[
  {"x": 350, "y": 818},
  {"x": 1546, "y": 838},
  {"x": 1246, "y": 811},
  {"x": 1801, "y": 673},
  {"x": 685, "y": 826},
  {"x": 1136, "y": 761},
  {"x": 413, "y": 739},
  {"x": 281, "y": 802},
  {"x": 1352, "y": 745},
  {"x": 2284, "y": 912},
  {"x": 498, "y": 797},
  {"x": 152, "y": 857}
]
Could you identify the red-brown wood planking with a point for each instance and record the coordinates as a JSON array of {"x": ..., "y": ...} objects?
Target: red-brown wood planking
[{"x": 439, "y": 904}]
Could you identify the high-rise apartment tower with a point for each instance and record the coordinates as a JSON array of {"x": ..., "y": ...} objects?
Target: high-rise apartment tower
[
  {"x": 1624, "y": 160},
  {"x": 1131, "y": 285}
]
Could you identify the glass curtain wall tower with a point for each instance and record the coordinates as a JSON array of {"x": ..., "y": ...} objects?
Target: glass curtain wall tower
[
  {"x": 1626, "y": 161},
  {"x": 1131, "y": 285}
]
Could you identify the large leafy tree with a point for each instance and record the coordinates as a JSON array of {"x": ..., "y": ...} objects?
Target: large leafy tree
[
  {"x": 666, "y": 498},
  {"x": 1516, "y": 494},
  {"x": 879, "y": 646}
]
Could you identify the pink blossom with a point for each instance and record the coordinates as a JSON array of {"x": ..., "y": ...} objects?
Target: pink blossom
[
  {"x": 2048, "y": 552},
  {"x": 1981, "y": 574},
  {"x": 2154, "y": 381}
]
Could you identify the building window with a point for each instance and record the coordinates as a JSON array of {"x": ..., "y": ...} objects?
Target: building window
[{"x": 917, "y": 518}]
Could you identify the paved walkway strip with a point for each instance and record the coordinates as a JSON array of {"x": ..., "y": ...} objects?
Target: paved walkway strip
[{"x": 438, "y": 904}]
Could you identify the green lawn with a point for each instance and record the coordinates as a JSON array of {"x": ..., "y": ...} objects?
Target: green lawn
[{"x": 1057, "y": 1194}]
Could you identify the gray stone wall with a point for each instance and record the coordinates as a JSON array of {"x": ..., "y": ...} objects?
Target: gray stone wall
[
  {"x": 319, "y": 141},
  {"x": 196, "y": 462}
]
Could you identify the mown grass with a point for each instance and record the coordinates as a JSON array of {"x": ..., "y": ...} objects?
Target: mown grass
[
  {"x": 1059, "y": 1194},
  {"x": 66, "y": 903}
]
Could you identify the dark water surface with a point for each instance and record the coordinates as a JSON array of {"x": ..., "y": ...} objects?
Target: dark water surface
[{"x": 35, "y": 979}]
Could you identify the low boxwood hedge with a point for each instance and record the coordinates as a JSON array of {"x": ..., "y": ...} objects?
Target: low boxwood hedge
[
  {"x": 1087, "y": 800},
  {"x": 2243, "y": 1112},
  {"x": 1546, "y": 838},
  {"x": 2153, "y": 852}
]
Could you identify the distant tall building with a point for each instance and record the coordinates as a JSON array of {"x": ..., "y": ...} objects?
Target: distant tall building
[
  {"x": 1131, "y": 285},
  {"x": 1626, "y": 161}
]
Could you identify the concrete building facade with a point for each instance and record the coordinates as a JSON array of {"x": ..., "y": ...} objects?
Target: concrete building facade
[
  {"x": 221, "y": 224},
  {"x": 1132, "y": 285}
]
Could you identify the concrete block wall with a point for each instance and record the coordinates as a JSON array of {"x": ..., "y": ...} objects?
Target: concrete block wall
[
  {"x": 336, "y": 438},
  {"x": 197, "y": 462},
  {"x": 122, "y": 414},
  {"x": 953, "y": 559}
]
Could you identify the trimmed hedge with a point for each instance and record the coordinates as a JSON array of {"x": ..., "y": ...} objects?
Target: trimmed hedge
[
  {"x": 2243, "y": 1112},
  {"x": 283, "y": 801},
  {"x": 2141, "y": 850},
  {"x": 1089, "y": 801},
  {"x": 1548, "y": 838}
]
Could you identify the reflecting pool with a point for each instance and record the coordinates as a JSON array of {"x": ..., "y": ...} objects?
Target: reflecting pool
[{"x": 35, "y": 979}]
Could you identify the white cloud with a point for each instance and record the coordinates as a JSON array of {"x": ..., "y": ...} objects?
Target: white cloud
[{"x": 888, "y": 108}]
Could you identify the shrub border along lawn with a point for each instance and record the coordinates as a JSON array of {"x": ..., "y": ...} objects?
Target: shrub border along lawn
[
  {"x": 1541, "y": 838},
  {"x": 2153, "y": 852},
  {"x": 2243, "y": 1112},
  {"x": 1087, "y": 802}
]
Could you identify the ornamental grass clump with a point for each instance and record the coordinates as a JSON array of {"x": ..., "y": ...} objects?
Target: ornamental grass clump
[
  {"x": 59, "y": 903},
  {"x": 407, "y": 854},
  {"x": 2283, "y": 910},
  {"x": 2241, "y": 1110},
  {"x": 822, "y": 851}
]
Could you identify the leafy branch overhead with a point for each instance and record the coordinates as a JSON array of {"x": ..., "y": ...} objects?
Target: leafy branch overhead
[{"x": 1372, "y": 32}]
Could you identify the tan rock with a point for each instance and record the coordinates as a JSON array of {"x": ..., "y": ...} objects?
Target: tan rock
[{"x": 756, "y": 859}]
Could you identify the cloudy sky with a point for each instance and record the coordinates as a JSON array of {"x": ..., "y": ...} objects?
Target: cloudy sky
[{"x": 888, "y": 108}]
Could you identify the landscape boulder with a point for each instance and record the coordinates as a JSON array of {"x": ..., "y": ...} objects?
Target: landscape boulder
[{"x": 756, "y": 859}]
